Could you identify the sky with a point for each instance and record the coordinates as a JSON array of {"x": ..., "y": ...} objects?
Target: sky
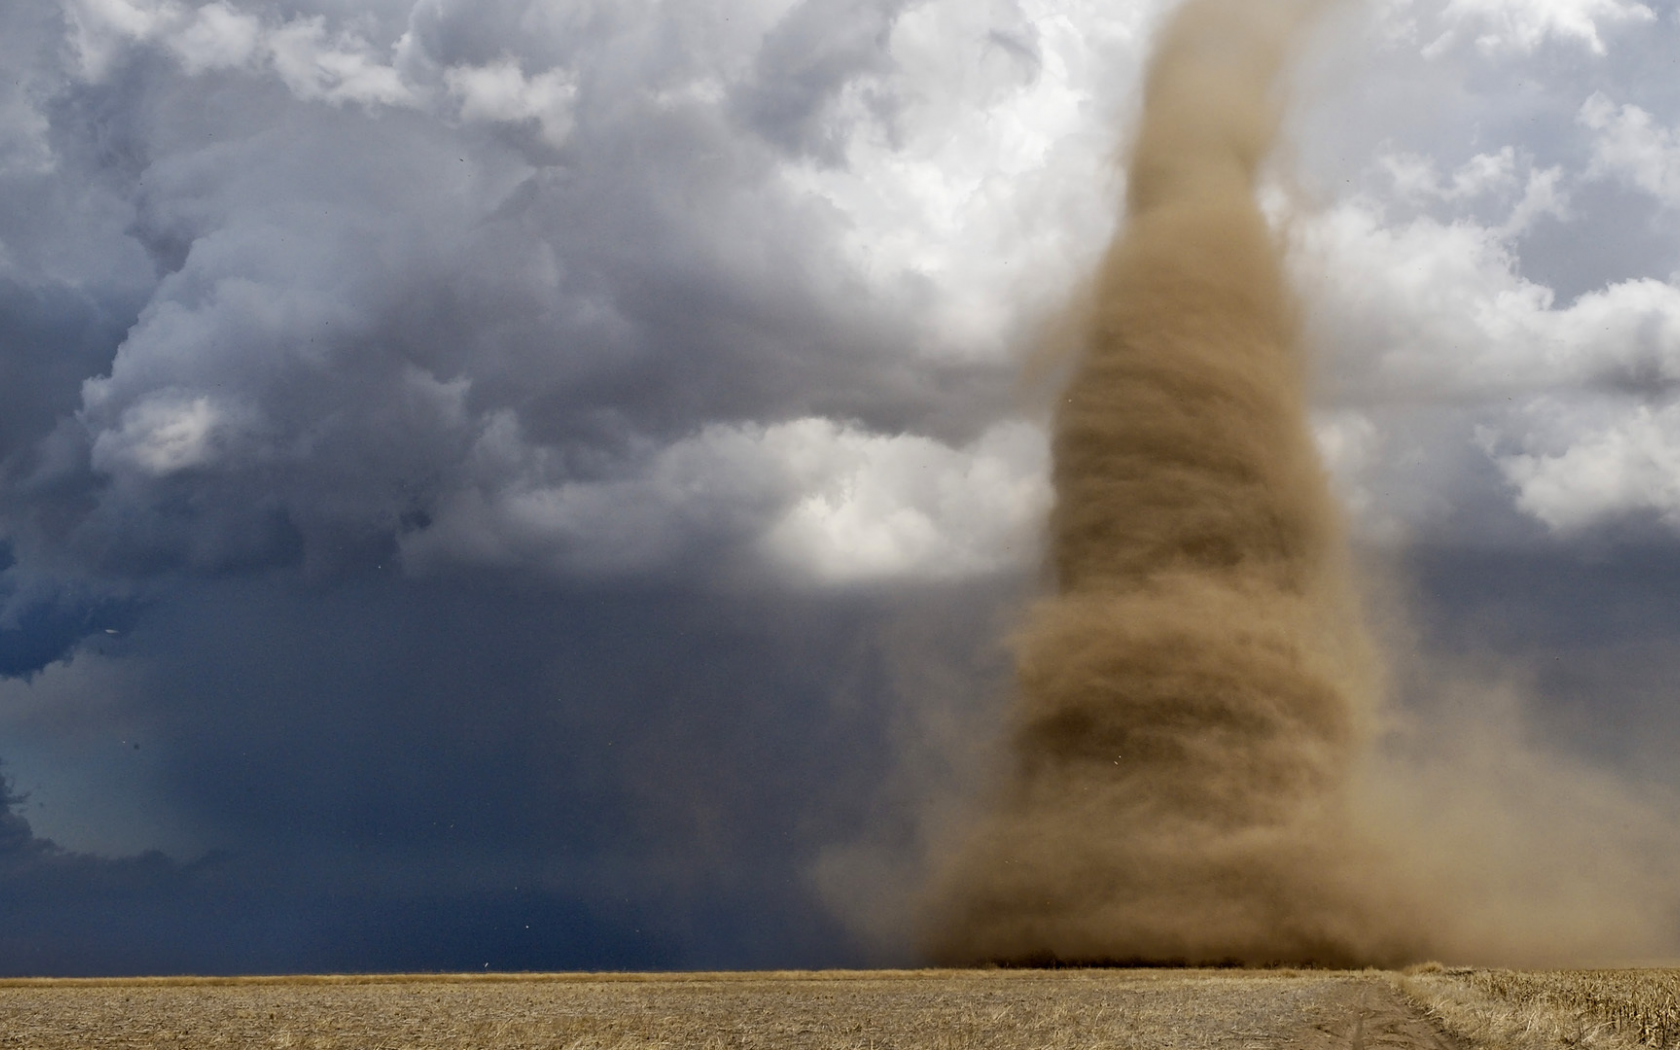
[{"x": 532, "y": 485}]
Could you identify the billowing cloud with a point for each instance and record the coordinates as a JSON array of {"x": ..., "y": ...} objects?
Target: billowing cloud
[
  {"x": 463, "y": 261},
  {"x": 1416, "y": 292},
  {"x": 819, "y": 501},
  {"x": 1586, "y": 463},
  {"x": 1444, "y": 309},
  {"x": 1523, "y": 25},
  {"x": 1631, "y": 145}
]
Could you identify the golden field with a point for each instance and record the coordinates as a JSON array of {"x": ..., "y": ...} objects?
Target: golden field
[
  {"x": 1432, "y": 1007},
  {"x": 1553, "y": 1008}
]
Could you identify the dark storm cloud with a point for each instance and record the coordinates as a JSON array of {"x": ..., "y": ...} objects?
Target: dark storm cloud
[
  {"x": 42, "y": 620},
  {"x": 398, "y": 772},
  {"x": 365, "y": 281},
  {"x": 1587, "y": 626},
  {"x": 281, "y": 293},
  {"x": 75, "y": 914},
  {"x": 55, "y": 335},
  {"x": 52, "y": 336}
]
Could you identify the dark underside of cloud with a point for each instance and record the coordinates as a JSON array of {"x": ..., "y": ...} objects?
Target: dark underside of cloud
[
  {"x": 72, "y": 914},
  {"x": 1586, "y": 629},
  {"x": 403, "y": 776}
]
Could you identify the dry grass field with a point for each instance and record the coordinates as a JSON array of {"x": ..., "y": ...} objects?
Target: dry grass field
[
  {"x": 1070, "y": 1009},
  {"x": 1436, "y": 1008},
  {"x": 1560, "y": 1008}
]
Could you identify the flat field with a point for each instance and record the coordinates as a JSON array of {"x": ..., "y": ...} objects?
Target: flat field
[{"x": 1015, "y": 1009}]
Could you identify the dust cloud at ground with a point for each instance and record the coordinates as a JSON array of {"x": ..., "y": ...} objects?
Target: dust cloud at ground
[{"x": 1530, "y": 853}]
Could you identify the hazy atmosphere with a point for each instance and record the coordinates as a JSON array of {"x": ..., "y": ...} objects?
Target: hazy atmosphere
[{"x": 538, "y": 485}]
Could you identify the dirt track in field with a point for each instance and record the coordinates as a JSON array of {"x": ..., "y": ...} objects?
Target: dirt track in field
[
  {"x": 1005, "y": 1010},
  {"x": 1369, "y": 1015}
]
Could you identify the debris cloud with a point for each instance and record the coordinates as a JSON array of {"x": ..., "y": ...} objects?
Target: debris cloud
[{"x": 1195, "y": 696}]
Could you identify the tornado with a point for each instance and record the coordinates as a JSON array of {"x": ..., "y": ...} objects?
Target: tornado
[{"x": 1194, "y": 697}]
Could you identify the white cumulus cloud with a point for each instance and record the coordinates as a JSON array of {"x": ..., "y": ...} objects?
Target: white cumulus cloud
[
  {"x": 824, "y": 502},
  {"x": 1633, "y": 146},
  {"x": 1523, "y": 25},
  {"x": 168, "y": 432},
  {"x": 1608, "y": 462},
  {"x": 315, "y": 63},
  {"x": 501, "y": 91}
]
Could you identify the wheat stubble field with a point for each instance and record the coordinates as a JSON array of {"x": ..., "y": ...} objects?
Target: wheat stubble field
[{"x": 1002, "y": 1009}]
